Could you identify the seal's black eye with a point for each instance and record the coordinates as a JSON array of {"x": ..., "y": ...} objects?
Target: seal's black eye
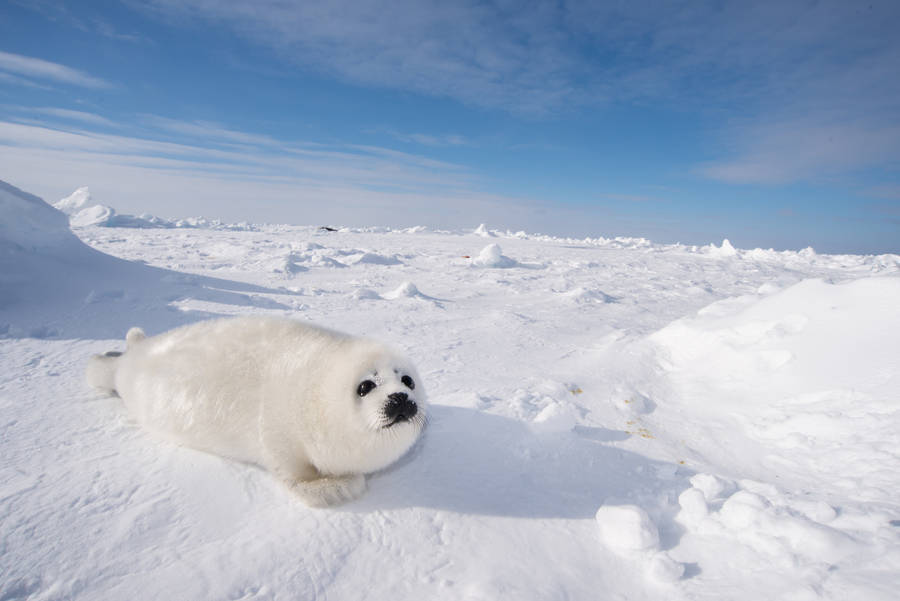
[
  {"x": 408, "y": 382},
  {"x": 365, "y": 387}
]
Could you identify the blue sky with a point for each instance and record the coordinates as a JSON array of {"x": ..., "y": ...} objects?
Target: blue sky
[{"x": 774, "y": 124}]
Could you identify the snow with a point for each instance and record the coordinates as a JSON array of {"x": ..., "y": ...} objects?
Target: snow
[
  {"x": 627, "y": 528},
  {"x": 611, "y": 418},
  {"x": 492, "y": 256}
]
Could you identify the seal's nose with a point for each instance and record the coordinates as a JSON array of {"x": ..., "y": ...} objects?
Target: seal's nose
[{"x": 399, "y": 407}]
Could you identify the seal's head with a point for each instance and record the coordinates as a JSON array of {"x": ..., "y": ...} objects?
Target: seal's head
[
  {"x": 382, "y": 401},
  {"x": 389, "y": 394}
]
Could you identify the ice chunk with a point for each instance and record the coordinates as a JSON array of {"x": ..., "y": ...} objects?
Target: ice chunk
[
  {"x": 626, "y": 528},
  {"x": 492, "y": 256}
]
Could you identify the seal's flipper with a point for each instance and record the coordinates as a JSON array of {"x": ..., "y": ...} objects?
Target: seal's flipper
[
  {"x": 101, "y": 371},
  {"x": 134, "y": 336}
]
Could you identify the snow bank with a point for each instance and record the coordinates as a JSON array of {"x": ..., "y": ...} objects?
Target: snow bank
[
  {"x": 30, "y": 224},
  {"x": 796, "y": 336},
  {"x": 794, "y": 390},
  {"x": 48, "y": 276}
]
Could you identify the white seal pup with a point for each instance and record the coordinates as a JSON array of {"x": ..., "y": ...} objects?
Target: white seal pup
[{"x": 315, "y": 407}]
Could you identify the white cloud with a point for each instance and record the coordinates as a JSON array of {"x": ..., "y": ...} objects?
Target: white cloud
[
  {"x": 205, "y": 130},
  {"x": 805, "y": 148},
  {"x": 480, "y": 54},
  {"x": 294, "y": 183},
  {"x": 36, "y": 68},
  {"x": 69, "y": 115},
  {"x": 433, "y": 140},
  {"x": 756, "y": 61},
  {"x": 290, "y": 179},
  {"x": 21, "y": 81}
]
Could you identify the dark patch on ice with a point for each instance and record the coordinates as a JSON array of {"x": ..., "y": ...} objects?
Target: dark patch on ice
[{"x": 895, "y": 523}]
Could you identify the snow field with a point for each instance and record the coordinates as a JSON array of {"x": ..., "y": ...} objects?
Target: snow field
[{"x": 610, "y": 418}]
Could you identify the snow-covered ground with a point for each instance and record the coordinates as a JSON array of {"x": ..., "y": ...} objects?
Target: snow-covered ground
[{"x": 611, "y": 418}]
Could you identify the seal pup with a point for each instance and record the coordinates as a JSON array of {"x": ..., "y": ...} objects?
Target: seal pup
[{"x": 315, "y": 407}]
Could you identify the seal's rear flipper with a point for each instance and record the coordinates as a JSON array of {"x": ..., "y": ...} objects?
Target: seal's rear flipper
[
  {"x": 101, "y": 371},
  {"x": 134, "y": 336}
]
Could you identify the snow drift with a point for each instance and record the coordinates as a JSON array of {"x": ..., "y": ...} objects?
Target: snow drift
[{"x": 54, "y": 285}]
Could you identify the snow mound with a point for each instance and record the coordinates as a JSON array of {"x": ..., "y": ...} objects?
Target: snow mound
[
  {"x": 76, "y": 201},
  {"x": 405, "y": 290},
  {"x": 370, "y": 258},
  {"x": 807, "y": 325},
  {"x": 482, "y": 231},
  {"x": 144, "y": 220},
  {"x": 581, "y": 295},
  {"x": 760, "y": 518},
  {"x": 725, "y": 251},
  {"x": 365, "y": 294},
  {"x": 492, "y": 256},
  {"x": 93, "y": 215},
  {"x": 292, "y": 264},
  {"x": 555, "y": 418},
  {"x": 84, "y": 211},
  {"x": 625, "y": 528}
]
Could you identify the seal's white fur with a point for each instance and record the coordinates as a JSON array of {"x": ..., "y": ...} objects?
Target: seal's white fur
[{"x": 272, "y": 391}]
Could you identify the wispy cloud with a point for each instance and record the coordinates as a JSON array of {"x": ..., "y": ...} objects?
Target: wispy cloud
[
  {"x": 294, "y": 182},
  {"x": 67, "y": 115},
  {"x": 352, "y": 165},
  {"x": 480, "y": 54},
  {"x": 888, "y": 191},
  {"x": 433, "y": 140},
  {"x": 57, "y": 11},
  {"x": 759, "y": 62},
  {"x": 21, "y": 81},
  {"x": 207, "y": 131},
  {"x": 35, "y": 68},
  {"x": 549, "y": 55},
  {"x": 801, "y": 148}
]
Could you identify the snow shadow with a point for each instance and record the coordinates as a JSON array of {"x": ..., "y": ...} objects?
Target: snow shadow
[
  {"x": 86, "y": 294},
  {"x": 472, "y": 462}
]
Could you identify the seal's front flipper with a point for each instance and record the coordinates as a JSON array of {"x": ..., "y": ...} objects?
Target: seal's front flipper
[{"x": 329, "y": 490}]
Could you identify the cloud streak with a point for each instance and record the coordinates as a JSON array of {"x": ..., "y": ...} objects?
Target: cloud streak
[
  {"x": 35, "y": 68},
  {"x": 286, "y": 181}
]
